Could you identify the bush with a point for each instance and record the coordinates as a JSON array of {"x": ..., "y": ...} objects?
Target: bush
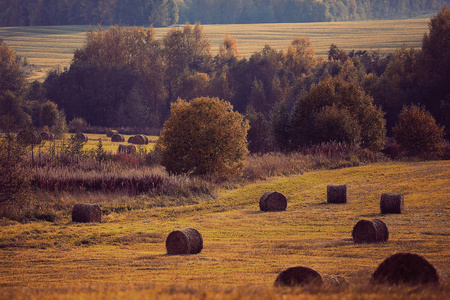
[
  {"x": 204, "y": 137},
  {"x": 418, "y": 134}
]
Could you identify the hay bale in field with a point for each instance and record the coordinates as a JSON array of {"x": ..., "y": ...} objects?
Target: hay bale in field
[
  {"x": 86, "y": 213},
  {"x": 131, "y": 140},
  {"x": 145, "y": 139},
  {"x": 117, "y": 138},
  {"x": 298, "y": 276},
  {"x": 46, "y": 135},
  {"x": 337, "y": 194},
  {"x": 28, "y": 137},
  {"x": 81, "y": 137},
  {"x": 187, "y": 241},
  {"x": 366, "y": 231},
  {"x": 405, "y": 268},
  {"x": 391, "y": 203},
  {"x": 128, "y": 149},
  {"x": 110, "y": 133},
  {"x": 273, "y": 201},
  {"x": 139, "y": 139}
]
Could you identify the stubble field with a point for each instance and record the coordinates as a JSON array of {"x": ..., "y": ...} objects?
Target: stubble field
[{"x": 124, "y": 257}]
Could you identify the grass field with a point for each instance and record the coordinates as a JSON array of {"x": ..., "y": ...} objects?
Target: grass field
[
  {"x": 124, "y": 257},
  {"x": 50, "y": 47}
]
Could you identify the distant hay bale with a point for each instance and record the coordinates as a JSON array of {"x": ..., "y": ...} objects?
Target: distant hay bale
[
  {"x": 187, "y": 241},
  {"x": 117, "y": 138},
  {"x": 366, "y": 231},
  {"x": 405, "y": 268},
  {"x": 139, "y": 139},
  {"x": 81, "y": 137},
  {"x": 337, "y": 194},
  {"x": 273, "y": 201},
  {"x": 145, "y": 139},
  {"x": 28, "y": 137},
  {"x": 46, "y": 135},
  {"x": 131, "y": 140},
  {"x": 128, "y": 149},
  {"x": 86, "y": 213},
  {"x": 334, "y": 281},
  {"x": 391, "y": 203},
  {"x": 110, "y": 133},
  {"x": 298, "y": 276}
]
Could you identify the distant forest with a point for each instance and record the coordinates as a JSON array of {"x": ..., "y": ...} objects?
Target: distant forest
[{"x": 169, "y": 12}]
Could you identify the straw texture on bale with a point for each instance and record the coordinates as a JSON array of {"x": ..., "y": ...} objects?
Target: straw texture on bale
[
  {"x": 273, "y": 201},
  {"x": 28, "y": 137},
  {"x": 405, "y": 268},
  {"x": 391, "y": 203},
  {"x": 187, "y": 241},
  {"x": 86, "y": 213},
  {"x": 110, "y": 133},
  {"x": 46, "y": 135},
  {"x": 366, "y": 231},
  {"x": 298, "y": 276},
  {"x": 128, "y": 149},
  {"x": 118, "y": 138},
  {"x": 337, "y": 194},
  {"x": 81, "y": 137}
]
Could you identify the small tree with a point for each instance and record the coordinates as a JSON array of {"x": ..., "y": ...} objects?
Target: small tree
[
  {"x": 204, "y": 137},
  {"x": 418, "y": 134},
  {"x": 49, "y": 114}
]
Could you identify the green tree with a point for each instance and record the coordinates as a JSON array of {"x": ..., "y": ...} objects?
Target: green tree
[
  {"x": 343, "y": 96},
  {"x": 418, "y": 134},
  {"x": 12, "y": 77},
  {"x": 204, "y": 137},
  {"x": 49, "y": 114}
]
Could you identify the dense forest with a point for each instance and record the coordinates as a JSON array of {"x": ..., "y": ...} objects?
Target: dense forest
[{"x": 168, "y": 12}]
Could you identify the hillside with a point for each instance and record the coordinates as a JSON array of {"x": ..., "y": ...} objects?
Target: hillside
[{"x": 244, "y": 249}]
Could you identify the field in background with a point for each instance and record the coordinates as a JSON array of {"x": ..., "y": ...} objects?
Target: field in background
[
  {"x": 244, "y": 249},
  {"x": 53, "y": 46}
]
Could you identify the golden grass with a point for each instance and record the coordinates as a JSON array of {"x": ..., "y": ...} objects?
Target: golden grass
[
  {"x": 48, "y": 47},
  {"x": 244, "y": 249}
]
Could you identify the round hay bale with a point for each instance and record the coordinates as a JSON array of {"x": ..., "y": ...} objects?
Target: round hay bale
[
  {"x": 128, "y": 149},
  {"x": 28, "y": 137},
  {"x": 118, "y": 138},
  {"x": 298, "y": 276},
  {"x": 391, "y": 203},
  {"x": 273, "y": 201},
  {"x": 139, "y": 139},
  {"x": 145, "y": 139},
  {"x": 188, "y": 241},
  {"x": 131, "y": 140},
  {"x": 366, "y": 231},
  {"x": 81, "y": 137},
  {"x": 337, "y": 194},
  {"x": 110, "y": 133},
  {"x": 86, "y": 213},
  {"x": 46, "y": 135},
  {"x": 405, "y": 268}
]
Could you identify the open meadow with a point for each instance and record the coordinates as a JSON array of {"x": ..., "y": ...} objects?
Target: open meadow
[
  {"x": 124, "y": 256},
  {"x": 49, "y": 47}
]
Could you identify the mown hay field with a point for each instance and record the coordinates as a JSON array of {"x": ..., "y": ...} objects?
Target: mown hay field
[
  {"x": 48, "y": 47},
  {"x": 124, "y": 256}
]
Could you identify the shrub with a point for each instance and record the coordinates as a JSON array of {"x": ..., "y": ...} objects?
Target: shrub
[
  {"x": 78, "y": 124},
  {"x": 204, "y": 137},
  {"x": 418, "y": 134}
]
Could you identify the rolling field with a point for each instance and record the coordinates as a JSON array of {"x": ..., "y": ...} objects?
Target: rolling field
[
  {"x": 124, "y": 257},
  {"x": 50, "y": 47}
]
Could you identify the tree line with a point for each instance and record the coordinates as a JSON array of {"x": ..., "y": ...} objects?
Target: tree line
[
  {"x": 291, "y": 98},
  {"x": 168, "y": 12}
]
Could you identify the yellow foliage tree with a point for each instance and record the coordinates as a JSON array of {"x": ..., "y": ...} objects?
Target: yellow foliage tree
[{"x": 204, "y": 137}]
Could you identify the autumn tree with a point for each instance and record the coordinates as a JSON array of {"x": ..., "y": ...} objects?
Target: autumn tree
[
  {"x": 204, "y": 137},
  {"x": 48, "y": 114},
  {"x": 418, "y": 134},
  {"x": 300, "y": 57}
]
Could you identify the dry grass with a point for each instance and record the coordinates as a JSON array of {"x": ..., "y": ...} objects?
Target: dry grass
[
  {"x": 244, "y": 249},
  {"x": 50, "y": 47}
]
